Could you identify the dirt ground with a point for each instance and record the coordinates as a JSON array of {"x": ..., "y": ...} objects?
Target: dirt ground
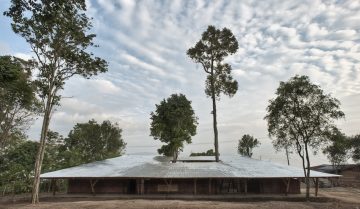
[
  {"x": 336, "y": 198},
  {"x": 178, "y": 204},
  {"x": 351, "y": 195}
]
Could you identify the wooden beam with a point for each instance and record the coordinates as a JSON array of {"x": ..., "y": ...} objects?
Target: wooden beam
[{"x": 316, "y": 186}]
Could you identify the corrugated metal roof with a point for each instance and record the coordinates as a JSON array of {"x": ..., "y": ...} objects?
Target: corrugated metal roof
[{"x": 161, "y": 167}]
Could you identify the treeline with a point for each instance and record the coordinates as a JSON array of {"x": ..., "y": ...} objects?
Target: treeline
[
  {"x": 86, "y": 142},
  {"x": 19, "y": 107},
  {"x": 209, "y": 152}
]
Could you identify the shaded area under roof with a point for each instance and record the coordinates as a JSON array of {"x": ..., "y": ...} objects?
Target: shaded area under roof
[{"x": 145, "y": 166}]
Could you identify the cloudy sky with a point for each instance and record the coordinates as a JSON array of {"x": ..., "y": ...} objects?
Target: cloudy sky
[{"x": 145, "y": 43}]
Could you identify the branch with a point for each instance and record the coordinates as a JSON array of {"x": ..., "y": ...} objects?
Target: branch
[{"x": 204, "y": 67}]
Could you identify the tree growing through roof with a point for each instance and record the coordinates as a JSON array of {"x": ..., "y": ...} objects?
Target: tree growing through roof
[
  {"x": 57, "y": 32},
  {"x": 302, "y": 115},
  {"x": 338, "y": 150},
  {"x": 210, "y": 51},
  {"x": 91, "y": 141},
  {"x": 246, "y": 144},
  {"x": 174, "y": 123},
  {"x": 18, "y": 102}
]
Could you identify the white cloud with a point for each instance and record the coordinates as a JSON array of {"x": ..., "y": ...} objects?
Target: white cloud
[{"x": 145, "y": 43}]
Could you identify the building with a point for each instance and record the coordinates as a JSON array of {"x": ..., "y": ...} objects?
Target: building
[
  {"x": 136, "y": 174},
  {"x": 350, "y": 174}
]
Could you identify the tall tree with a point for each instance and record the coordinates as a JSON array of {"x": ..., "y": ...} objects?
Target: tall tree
[
  {"x": 91, "y": 141},
  {"x": 210, "y": 52},
  {"x": 338, "y": 150},
  {"x": 302, "y": 115},
  {"x": 57, "y": 32},
  {"x": 246, "y": 144},
  {"x": 18, "y": 103},
  {"x": 173, "y": 122}
]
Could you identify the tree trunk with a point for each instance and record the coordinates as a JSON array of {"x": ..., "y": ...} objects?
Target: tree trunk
[
  {"x": 213, "y": 97},
  {"x": 307, "y": 178},
  {"x": 40, "y": 153},
  {"x": 287, "y": 154},
  {"x": 175, "y": 156},
  {"x": 216, "y": 142},
  {"x": 303, "y": 164}
]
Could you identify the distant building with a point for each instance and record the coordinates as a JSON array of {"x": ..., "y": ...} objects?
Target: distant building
[
  {"x": 350, "y": 174},
  {"x": 139, "y": 174}
]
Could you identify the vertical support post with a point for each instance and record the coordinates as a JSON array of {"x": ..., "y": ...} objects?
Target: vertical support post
[
  {"x": 245, "y": 186},
  {"x": 53, "y": 186},
  {"x": 142, "y": 186},
  {"x": 238, "y": 188},
  {"x": 316, "y": 186},
  {"x": 194, "y": 186},
  {"x": 287, "y": 186},
  {"x": 138, "y": 187},
  {"x": 210, "y": 186}
]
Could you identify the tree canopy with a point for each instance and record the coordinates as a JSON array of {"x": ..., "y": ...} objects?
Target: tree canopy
[
  {"x": 174, "y": 123},
  {"x": 302, "y": 115},
  {"x": 17, "y": 167},
  {"x": 18, "y": 160},
  {"x": 58, "y": 34},
  {"x": 18, "y": 102},
  {"x": 91, "y": 141},
  {"x": 210, "y": 51},
  {"x": 246, "y": 144},
  {"x": 337, "y": 150}
]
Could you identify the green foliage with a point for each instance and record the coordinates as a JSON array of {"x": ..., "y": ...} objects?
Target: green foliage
[
  {"x": 355, "y": 148},
  {"x": 54, "y": 158},
  {"x": 209, "y": 152},
  {"x": 17, "y": 167},
  {"x": 338, "y": 150},
  {"x": 87, "y": 142},
  {"x": 210, "y": 52},
  {"x": 18, "y": 103},
  {"x": 301, "y": 115},
  {"x": 246, "y": 144},
  {"x": 91, "y": 141},
  {"x": 57, "y": 32},
  {"x": 173, "y": 122},
  {"x": 17, "y": 163}
]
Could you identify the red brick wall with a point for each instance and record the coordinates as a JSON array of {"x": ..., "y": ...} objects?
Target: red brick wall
[
  {"x": 101, "y": 186},
  {"x": 185, "y": 186}
]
